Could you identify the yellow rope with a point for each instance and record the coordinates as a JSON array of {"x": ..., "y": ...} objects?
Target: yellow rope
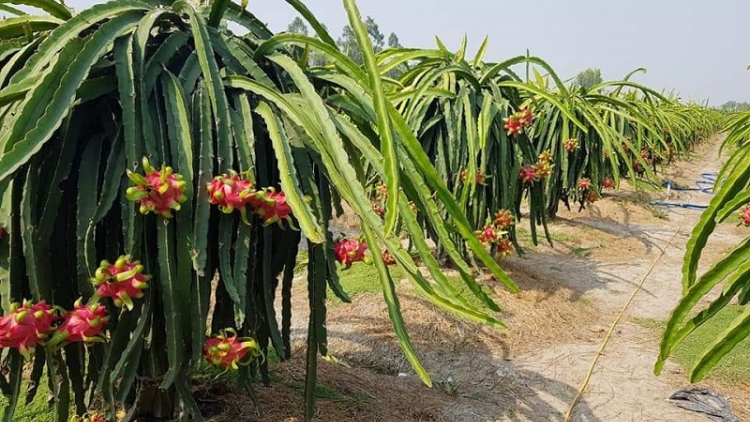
[{"x": 590, "y": 372}]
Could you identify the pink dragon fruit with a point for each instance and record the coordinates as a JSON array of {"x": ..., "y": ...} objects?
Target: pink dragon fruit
[
  {"x": 745, "y": 215},
  {"x": 528, "y": 175},
  {"x": 488, "y": 234},
  {"x": 26, "y": 325},
  {"x": 122, "y": 281},
  {"x": 349, "y": 251},
  {"x": 608, "y": 183},
  {"x": 85, "y": 323},
  {"x": 271, "y": 207},
  {"x": 228, "y": 351},
  {"x": 158, "y": 191},
  {"x": 584, "y": 184},
  {"x": 230, "y": 192}
]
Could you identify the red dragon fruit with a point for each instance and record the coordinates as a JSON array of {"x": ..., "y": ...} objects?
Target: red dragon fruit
[
  {"x": 230, "y": 192},
  {"x": 525, "y": 116},
  {"x": 504, "y": 248},
  {"x": 159, "y": 191},
  {"x": 479, "y": 177},
  {"x": 592, "y": 197},
  {"x": 571, "y": 144},
  {"x": 349, "y": 251},
  {"x": 584, "y": 184},
  {"x": 378, "y": 209},
  {"x": 745, "y": 215},
  {"x": 271, "y": 207},
  {"x": 488, "y": 234},
  {"x": 608, "y": 183},
  {"x": 85, "y": 323},
  {"x": 513, "y": 126},
  {"x": 122, "y": 281},
  {"x": 388, "y": 259},
  {"x": 26, "y": 325},
  {"x": 229, "y": 351},
  {"x": 528, "y": 175},
  {"x": 503, "y": 219}
]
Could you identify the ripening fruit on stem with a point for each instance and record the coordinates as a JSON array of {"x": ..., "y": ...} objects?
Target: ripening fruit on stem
[
  {"x": 382, "y": 191},
  {"x": 745, "y": 215},
  {"x": 388, "y": 259},
  {"x": 608, "y": 183},
  {"x": 26, "y": 326},
  {"x": 571, "y": 144},
  {"x": 592, "y": 197},
  {"x": 271, "y": 207},
  {"x": 122, "y": 281},
  {"x": 584, "y": 184},
  {"x": 503, "y": 219},
  {"x": 378, "y": 209},
  {"x": 489, "y": 234},
  {"x": 349, "y": 251},
  {"x": 230, "y": 192},
  {"x": 528, "y": 175},
  {"x": 504, "y": 248},
  {"x": 85, "y": 323},
  {"x": 513, "y": 126},
  {"x": 158, "y": 191},
  {"x": 229, "y": 351}
]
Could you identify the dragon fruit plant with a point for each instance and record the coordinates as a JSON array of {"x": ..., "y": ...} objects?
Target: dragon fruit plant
[
  {"x": 147, "y": 148},
  {"x": 730, "y": 275}
]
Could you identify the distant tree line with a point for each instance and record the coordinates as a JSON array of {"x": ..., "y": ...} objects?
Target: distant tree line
[
  {"x": 735, "y": 106},
  {"x": 347, "y": 42}
]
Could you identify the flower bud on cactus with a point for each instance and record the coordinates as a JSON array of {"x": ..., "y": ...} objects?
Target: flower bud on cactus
[
  {"x": 745, "y": 215},
  {"x": 122, "y": 281},
  {"x": 26, "y": 326},
  {"x": 85, "y": 323},
  {"x": 382, "y": 191},
  {"x": 271, "y": 207},
  {"x": 228, "y": 351},
  {"x": 584, "y": 184},
  {"x": 349, "y": 251},
  {"x": 503, "y": 219},
  {"x": 158, "y": 191},
  {"x": 504, "y": 248},
  {"x": 230, "y": 193}
]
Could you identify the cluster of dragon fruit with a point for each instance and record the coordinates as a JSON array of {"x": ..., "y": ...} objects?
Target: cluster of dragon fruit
[
  {"x": 159, "y": 191},
  {"x": 495, "y": 233}
]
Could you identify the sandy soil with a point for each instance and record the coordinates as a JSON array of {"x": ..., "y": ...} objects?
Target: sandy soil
[{"x": 530, "y": 372}]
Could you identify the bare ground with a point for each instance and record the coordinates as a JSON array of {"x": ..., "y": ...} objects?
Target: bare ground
[{"x": 530, "y": 371}]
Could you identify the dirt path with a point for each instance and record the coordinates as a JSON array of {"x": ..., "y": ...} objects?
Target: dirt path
[{"x": 531, "y": 371}]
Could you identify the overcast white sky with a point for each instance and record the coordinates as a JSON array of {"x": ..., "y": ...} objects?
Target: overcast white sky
[{"x": 700, "y": 48}]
